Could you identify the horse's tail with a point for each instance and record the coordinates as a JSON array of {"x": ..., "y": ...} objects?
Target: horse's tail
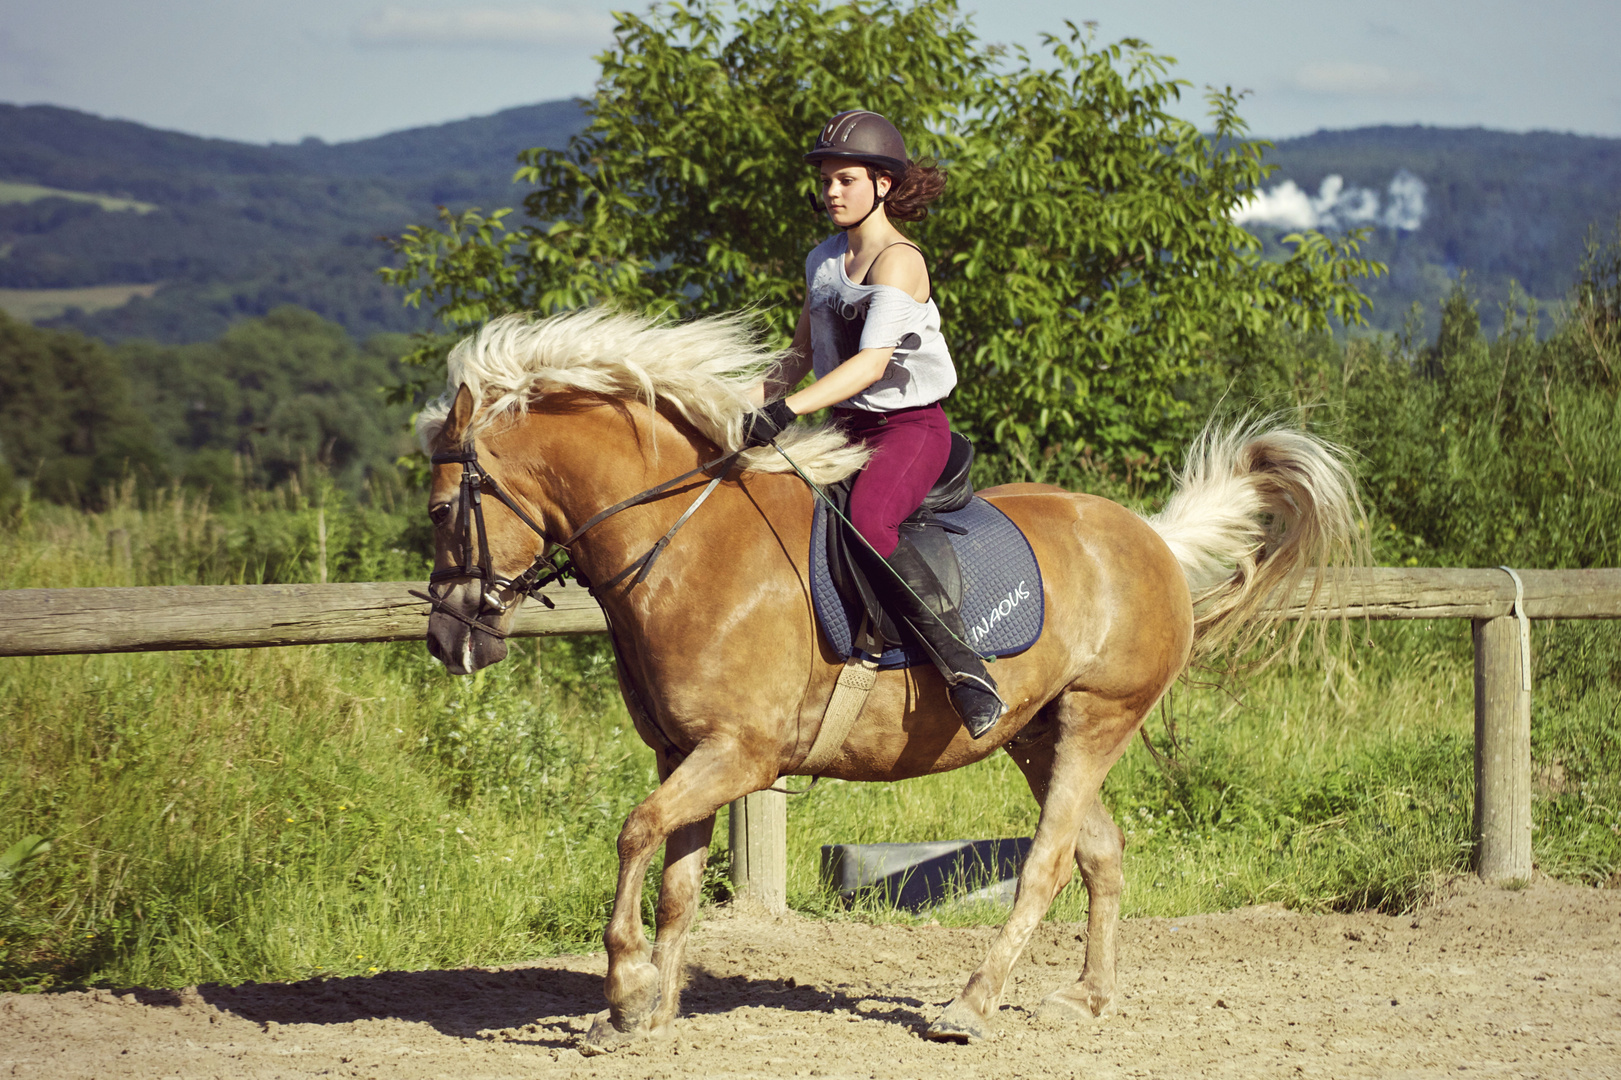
[{"x": 1256, "y": 507}]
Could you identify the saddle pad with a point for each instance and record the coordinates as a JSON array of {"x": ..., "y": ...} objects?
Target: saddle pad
[{"x": 1001, "y": 587}]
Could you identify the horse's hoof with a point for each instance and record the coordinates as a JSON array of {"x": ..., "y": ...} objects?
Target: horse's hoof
[
  {"x": 604, "y": 1038},
  {"x": 958, "y": 1024},
  {"x": 1068, "y": 1007}
]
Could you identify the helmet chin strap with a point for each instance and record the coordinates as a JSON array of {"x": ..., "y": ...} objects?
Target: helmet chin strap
[{"x": 877, "y": 201}]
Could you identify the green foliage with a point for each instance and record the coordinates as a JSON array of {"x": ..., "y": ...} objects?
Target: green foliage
[
  {"x": 277, "y": 814},
  {"x": 1082, "y": 256},
  {"x": 68, "y": 422},
  {"x": 270, "y": 396},
  {"x": 1506, "y": 451},
  {"x": 270, "y": 400}
]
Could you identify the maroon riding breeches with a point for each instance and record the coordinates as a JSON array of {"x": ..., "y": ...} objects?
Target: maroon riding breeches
[{"x": 910, "y": 448}]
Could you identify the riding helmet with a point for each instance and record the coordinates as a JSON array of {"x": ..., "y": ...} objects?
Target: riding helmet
[{"x": 865, "y": 137}]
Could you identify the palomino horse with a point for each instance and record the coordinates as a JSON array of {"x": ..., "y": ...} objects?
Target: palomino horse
[{"x": 720, "y": 659}]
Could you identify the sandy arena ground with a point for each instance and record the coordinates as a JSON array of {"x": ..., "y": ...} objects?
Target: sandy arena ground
[{"x": 1485, "y": 983}]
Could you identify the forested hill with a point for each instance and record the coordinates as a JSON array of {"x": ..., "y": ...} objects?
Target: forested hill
[
  {"x": 230, "y": 230},
  {"x": 1500, "y": 205},
  {"x": 234, "y": 230}
]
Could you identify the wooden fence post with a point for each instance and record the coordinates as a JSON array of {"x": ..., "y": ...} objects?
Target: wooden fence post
[
  {"x": 1502, "y": 829},
  {"x": 759, "y": 846}
]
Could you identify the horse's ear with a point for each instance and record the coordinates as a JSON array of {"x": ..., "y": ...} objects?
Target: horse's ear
[{"x": 461, "y": 414}]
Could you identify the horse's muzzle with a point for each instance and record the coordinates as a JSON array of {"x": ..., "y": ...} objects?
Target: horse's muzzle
[{"x": 462, "y": 649}]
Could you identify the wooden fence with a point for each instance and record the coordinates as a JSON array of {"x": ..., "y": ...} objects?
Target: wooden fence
[{"x": 39, "y": 622}]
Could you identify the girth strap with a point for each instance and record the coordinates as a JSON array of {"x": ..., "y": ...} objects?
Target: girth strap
[{"x": 856, "y": 680}]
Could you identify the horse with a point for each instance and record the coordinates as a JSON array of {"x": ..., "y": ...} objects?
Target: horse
[{"x": 617, "y": 438}]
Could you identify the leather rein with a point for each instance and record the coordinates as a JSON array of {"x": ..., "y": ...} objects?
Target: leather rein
[{"x": 546, "y": 568}]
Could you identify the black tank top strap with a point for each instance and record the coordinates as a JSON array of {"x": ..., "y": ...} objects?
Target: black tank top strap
[{"x": 867, "y": 278}]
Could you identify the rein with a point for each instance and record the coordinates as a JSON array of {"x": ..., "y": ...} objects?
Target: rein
[{"x": 546, "y": 569}]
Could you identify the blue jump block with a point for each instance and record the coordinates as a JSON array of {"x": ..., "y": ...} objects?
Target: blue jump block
[{"x": 918, "y": 876}]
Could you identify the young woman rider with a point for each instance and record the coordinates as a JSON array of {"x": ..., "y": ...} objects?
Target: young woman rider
[{"x": 871, "y": 331}]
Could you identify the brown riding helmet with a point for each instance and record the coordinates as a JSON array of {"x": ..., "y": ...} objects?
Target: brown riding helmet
[{"x": 862, "y": 136}]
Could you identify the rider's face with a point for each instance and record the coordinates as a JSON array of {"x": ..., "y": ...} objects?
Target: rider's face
[{"x": 847, "y": 190}]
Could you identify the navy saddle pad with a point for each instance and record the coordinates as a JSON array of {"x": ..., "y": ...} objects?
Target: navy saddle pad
[{"x": 1001, "y": 587}]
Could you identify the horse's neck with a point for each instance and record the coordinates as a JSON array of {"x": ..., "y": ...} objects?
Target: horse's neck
[
  {"x": 594, "y": 458},
  {"x": 745, "y": 526}
]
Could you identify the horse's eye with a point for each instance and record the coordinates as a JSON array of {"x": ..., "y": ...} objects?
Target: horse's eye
[{"x": 439, "y": 512}]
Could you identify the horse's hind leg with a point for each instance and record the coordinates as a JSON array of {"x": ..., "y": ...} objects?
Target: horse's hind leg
[
  {"x": 1098, "y": 849},
  {"x": 1091, "y": 734}
]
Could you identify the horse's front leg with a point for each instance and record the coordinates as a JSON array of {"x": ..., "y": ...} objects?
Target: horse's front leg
[
  {"x": 685, "y": 853},
  {"x": 681, "y": 809}
]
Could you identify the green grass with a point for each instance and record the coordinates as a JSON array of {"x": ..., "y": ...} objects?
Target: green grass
[
  {"x": 284, "y": 813},
  {"x": 37, "y": 305},
  {"x": 280, "y": 813},
  {"x": 13, "y": 191}
]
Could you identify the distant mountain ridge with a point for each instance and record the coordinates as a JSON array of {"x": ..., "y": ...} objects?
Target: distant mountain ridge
[
  {"x": 240, "y": 229},
  {"x": 1500, "y": 205}
]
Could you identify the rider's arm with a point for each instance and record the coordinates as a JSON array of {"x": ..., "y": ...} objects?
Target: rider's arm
[{"x": 848, "y": 379}]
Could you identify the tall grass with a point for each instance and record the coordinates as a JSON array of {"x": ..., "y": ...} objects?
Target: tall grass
[
  {"x": 173, "y": 536},
  {"x": 284, "y": 812}
]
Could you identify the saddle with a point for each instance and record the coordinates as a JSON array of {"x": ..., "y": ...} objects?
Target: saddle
[{"x": 981, "y": 559}]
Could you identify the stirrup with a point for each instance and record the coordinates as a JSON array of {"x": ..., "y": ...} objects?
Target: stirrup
[{"x": 977, "y": 703}]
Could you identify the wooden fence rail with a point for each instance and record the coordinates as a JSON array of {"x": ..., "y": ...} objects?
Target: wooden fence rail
[{"x": 39, "y": 622}]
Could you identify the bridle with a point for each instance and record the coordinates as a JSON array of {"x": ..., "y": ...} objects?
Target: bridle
[{"x": 547, "y": 566}]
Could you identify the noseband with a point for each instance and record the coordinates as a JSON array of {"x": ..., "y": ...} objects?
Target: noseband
[{"x": 546, "y": 568}]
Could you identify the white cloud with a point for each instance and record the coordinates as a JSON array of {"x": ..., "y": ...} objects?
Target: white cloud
[
  {"x": 1361, "y": 80},
  {"x": 485, "y": 27},
  {"x": 1336, "y": 206}
]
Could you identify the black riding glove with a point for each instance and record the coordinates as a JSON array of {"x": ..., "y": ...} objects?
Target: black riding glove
[{"x": 767, "y": 422}]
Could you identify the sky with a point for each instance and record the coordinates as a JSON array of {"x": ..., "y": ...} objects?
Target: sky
[{"x": 346, "y": 69}]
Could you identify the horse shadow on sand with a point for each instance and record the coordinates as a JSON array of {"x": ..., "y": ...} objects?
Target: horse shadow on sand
[{"x": 540, "y": 1005}]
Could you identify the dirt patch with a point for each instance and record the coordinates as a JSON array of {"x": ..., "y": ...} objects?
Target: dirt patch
[{"x": 1486, "y": 982}]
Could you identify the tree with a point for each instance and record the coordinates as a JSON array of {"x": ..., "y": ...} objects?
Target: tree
[
  {"x": 68, "y": 424},
  {"x": 270, "y": 396},
  {"x": 1083, "y": 256}
]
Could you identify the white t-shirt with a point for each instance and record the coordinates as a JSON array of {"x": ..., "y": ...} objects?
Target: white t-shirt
[{"x": 846, "y": 317}]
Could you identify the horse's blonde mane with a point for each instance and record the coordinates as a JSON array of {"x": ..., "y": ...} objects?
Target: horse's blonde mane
[{"x": 703, "y": 369}]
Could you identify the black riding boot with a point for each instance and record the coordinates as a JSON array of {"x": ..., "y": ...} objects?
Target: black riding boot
[{"x": 923, "y": 607}]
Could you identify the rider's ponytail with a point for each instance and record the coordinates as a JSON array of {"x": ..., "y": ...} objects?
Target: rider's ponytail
[{"x": 909, "y": 199}]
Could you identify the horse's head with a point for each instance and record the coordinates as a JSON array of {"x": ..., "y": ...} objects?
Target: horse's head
[{"x": 483, "y": 549}]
